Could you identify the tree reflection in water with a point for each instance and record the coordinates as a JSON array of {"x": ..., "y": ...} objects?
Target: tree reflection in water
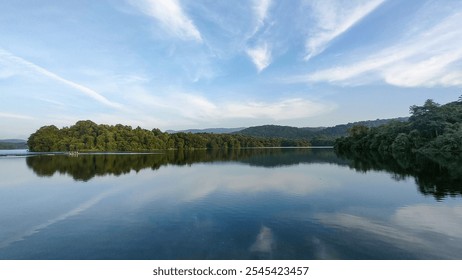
[{"x": 438, "y": 177}]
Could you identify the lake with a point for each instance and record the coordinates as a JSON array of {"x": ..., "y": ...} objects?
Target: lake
[{"x": 237, "y": 204}]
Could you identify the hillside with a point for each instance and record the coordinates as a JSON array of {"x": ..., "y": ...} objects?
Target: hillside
[
  {"x": 277, "y": 131},
  {"x": 12, "y": 144},
  {"x": 316, "y": 135},
  {"x": 208, "y": 130}
]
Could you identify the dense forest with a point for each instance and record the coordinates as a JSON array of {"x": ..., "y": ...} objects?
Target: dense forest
[
  {"x": 91, "y": 137},
  {"x": 87, "y": 136},
  {"x": 427, "y": 147},
  {"x": 433, "y": 130}
]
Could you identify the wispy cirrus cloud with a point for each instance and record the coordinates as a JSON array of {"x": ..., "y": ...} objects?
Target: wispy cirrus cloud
[
  {"x": 171, "y": 16},
  {"x": 261, "y": 9},
  {"x": 287, "y": 109},
  {"x": 427, "y": 58},
  {"x": 199, "y": 109},
  {"x": 332, "y": 18},
  {"x": 15, "y": 116},
  {"x": 26, "y": 67},
  {"x": 260, "y": 56}
]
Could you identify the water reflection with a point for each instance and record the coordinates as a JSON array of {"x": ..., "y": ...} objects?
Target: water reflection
[
  {"x": 427, "y": 230},
  {"x": 436, "y": 177},
  {"x": 432, "y": 177},
  {"x": 264, "y": 242},
  {"x": 427, "y": 218},
  {"x": 73, "y": 212},
  {"x": 87, "y": 166},
  {"x": 242, "y": 204}
]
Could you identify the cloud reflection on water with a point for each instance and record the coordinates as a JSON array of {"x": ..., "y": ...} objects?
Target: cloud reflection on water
[
  {"x": 440, "y": 219},
  {"x": 33, "y": 229},
  {"x": 433, "y": 230},
  {"x": 201, "y": 180},
  {"x": 264, "y": 241}
]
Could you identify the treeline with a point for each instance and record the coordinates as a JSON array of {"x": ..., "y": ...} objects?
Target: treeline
[
  {"x": 12, "y": 145},
  {"x": 317, "y": 136},
  {"x": 433, "y": 130},
  {"x": 91, "y": 137}
]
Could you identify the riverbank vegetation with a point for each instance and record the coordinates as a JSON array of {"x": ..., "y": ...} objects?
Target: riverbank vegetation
[
  {"x": 91, "y": 137},
  {"x": 428, "y": 147},
  {"x": 433, "y": 130}
]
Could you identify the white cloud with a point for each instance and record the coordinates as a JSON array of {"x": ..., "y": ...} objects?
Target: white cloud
[
  {"x": 333, "y": 18},
  {"x": 428, "y": 58},
  {"x": 433, "y": 71},
  {"x": 287, "y": 109},
  {"x": 171, "y": 16},
  {"x": 15, "y": 116},
  {"x": 25, "y": 67},
  {"x": 194, "y": 106},
  {"x": 198, "y": 108},
  {"x": 261, "y": 56},
  {"x": 261, "y": 11}
]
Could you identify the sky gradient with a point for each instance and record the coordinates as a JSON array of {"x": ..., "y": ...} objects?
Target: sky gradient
[{"x": 178, "y": 64}]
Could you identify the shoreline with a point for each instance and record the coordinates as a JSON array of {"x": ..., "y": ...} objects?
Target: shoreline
[{"x": 22, "y": 152}]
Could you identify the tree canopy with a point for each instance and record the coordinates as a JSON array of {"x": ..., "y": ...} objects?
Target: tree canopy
[
  {"x": 434, "y": 130},
  {"x": 91, "y": 137}
]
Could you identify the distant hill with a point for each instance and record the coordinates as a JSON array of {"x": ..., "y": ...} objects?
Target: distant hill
[
  {"x": 316, "y": 135},
  {"x": 12, "y": 144},
  {"x": 208, "y": 130},
  {"x": 277, "y": 131},
  {"x": 342, "y": 129},
  {"x": 12, "y": 141}
]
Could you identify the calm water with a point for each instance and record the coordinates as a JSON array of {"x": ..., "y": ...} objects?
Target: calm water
[{"x": 246, "y": 204}]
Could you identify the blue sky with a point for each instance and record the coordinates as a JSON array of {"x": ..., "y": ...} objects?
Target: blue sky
[{"x": 177, "y": 64}]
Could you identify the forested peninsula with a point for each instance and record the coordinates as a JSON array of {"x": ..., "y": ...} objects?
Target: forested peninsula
[
  {"x": 433, "y": 130},
  {"x": 87, "y": 136}
]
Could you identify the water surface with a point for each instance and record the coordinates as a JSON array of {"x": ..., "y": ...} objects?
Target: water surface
[{"x": 241, "y": 204}]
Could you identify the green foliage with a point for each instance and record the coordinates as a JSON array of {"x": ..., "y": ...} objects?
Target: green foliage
[
  {"x": 87, "y": 136},
  {"x": 433, "y": 130}
]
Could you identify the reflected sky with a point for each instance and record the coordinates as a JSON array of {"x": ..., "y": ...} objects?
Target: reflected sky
[{"x": 224, "y": 210}]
